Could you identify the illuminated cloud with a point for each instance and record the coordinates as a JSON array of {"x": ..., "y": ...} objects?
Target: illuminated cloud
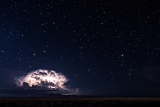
[{"x": 44, "y": 78}]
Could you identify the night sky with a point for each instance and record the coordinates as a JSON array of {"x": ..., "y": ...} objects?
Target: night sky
[{"x": 104, "y": 47}]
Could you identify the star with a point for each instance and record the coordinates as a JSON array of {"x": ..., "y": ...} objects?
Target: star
[
  {"x": 122, "y": 55},
  {"x": 34, "y": 54}
]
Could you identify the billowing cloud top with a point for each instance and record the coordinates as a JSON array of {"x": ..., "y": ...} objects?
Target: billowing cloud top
[{"x": 44, "y": 78}]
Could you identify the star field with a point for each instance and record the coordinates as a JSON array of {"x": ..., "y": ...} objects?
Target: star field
[{"x": 104, "y": 47}]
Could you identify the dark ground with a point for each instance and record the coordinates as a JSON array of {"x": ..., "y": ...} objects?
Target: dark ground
[{"x": 79, "y": 102}]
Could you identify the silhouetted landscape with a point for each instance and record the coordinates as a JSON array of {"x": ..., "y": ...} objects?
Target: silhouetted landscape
[
  {"x": 52, "y": 98},
  {"x": 79, "y": 102}
]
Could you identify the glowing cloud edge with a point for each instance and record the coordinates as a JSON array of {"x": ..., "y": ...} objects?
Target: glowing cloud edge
[{"x": 43, "y": 78}]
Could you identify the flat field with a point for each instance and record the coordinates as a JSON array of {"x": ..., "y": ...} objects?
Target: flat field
[{"x": 79, "y": 102}]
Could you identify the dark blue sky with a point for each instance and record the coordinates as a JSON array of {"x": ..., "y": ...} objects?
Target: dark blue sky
[{"x": 104, "y": 47}]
